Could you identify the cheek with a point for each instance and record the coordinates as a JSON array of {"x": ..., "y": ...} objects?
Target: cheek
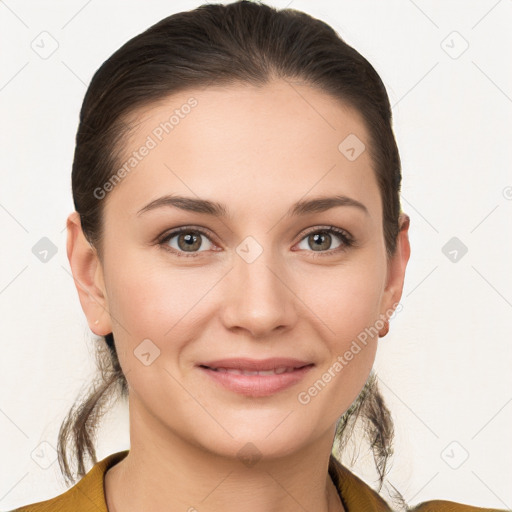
[
  {"x": 157, "y": 301},
  {"x": 346, "y": 303},
  {"x": 345, "y": 299},
  {"x": 151, "y": 296},
  {"x": 153, "y": 310}
]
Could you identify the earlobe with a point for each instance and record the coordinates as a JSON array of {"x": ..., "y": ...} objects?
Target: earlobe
[{"x": 88, "y": 277}]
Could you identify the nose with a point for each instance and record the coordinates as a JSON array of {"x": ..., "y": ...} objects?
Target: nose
[{"x": 259, "y": 296}]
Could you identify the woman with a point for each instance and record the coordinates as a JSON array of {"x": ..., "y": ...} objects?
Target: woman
[{"x": 239, "y": 246}]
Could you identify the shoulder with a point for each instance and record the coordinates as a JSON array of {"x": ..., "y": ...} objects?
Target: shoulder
[
  {"x": 357, "y": 495},
  {"x": 87, "y": 495},
  {"x": 450, "y": 506},
  {"x": 62, "y": 502}
]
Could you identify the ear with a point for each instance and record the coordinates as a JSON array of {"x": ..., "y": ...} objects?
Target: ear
[
  {"x": 88, "y": 276},
  {"x": 396, "y": 269}
]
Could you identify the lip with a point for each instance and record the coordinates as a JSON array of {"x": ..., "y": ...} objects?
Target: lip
[{"x": 256, "y": 385}]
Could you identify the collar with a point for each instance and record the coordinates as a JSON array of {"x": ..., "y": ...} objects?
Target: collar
[
  {"x": 354, "y": 493},
  {"x": 89, "y": 493}
]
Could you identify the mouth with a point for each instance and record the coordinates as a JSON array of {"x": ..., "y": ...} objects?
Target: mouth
[
  {"x": 236, "y": 371},
  {"x": 256, "y": 378}
]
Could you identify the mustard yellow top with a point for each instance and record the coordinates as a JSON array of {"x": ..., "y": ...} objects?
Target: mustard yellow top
[{"x": 87, "y": 495}]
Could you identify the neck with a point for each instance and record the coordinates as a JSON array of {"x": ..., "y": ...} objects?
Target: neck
[{"x": 163, "y": 472}]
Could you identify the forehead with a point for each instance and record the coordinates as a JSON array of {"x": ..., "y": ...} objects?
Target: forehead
[{"x": 245, "y": 144}]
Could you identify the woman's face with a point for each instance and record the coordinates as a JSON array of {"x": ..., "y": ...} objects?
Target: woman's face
[{"x": 264, "y": 280}]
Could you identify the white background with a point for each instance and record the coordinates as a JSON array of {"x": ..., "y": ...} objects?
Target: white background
[{"x": 445, "y": 366}]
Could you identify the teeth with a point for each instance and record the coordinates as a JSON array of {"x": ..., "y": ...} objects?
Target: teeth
[
  {"x": 244, "y": 372},
  {"x": 276, "y": 371}
]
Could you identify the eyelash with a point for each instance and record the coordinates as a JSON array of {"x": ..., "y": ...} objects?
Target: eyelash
[{"x": 347, "y": 240}]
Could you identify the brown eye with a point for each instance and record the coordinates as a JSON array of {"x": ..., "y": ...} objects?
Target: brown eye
[
  {"x": 321, "y": 240},
  {"x": 189, "y": 241},
  {"x": 186, "y": 240}
]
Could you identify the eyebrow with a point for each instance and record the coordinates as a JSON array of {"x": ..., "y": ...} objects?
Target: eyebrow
[{"x": 196, "y": 205}]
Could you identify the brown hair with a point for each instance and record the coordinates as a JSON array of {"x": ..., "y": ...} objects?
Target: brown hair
[{"x": 241, "y": 42}]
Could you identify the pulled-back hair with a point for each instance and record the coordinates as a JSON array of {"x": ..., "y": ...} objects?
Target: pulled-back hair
[{"x": 242, "y": 42}]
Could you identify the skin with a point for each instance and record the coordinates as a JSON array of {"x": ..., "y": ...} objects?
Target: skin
[{"x": 257, "y": 151}]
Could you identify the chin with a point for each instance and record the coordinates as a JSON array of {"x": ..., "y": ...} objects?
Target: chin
[{"x": 256, "y": 441}]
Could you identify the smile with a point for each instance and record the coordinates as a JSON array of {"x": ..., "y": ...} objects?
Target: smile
[
  {"x": 235, "y": 371},
  {"x": 256, "y": 378}
]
